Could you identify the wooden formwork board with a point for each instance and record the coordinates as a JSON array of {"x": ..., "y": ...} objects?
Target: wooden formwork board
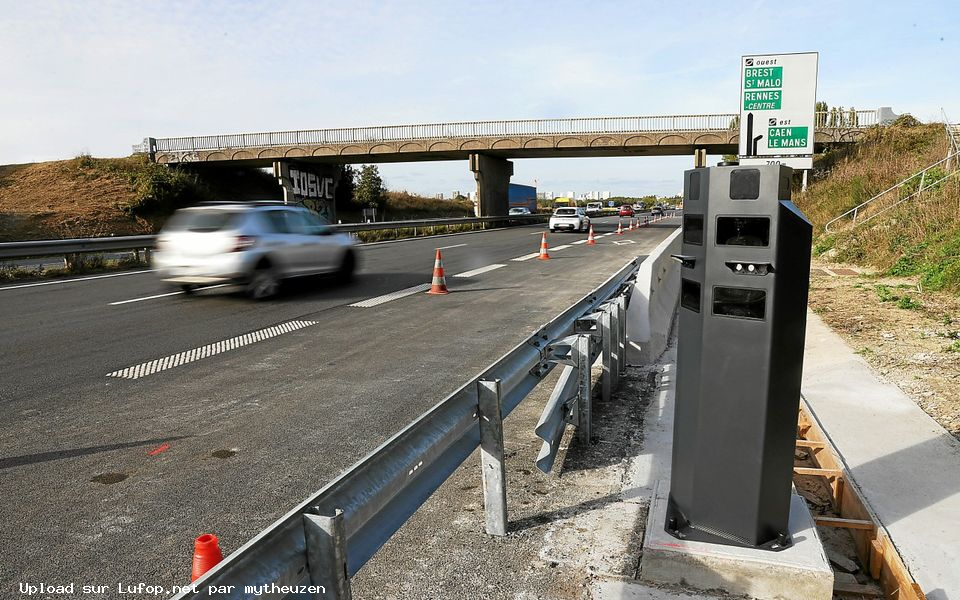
[{"x": 873, "y": 545}]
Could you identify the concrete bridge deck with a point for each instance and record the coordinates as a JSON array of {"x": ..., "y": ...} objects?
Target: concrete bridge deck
[{"x": 605, "y": 136}]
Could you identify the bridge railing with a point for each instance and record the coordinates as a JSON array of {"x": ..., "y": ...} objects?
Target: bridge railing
[{"x": 479, "y": 129}]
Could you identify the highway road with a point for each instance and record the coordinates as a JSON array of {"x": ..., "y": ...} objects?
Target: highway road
[{"x": 135, "y": 419}]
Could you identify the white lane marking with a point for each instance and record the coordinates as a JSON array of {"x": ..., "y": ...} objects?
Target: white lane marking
[
  {"x": 561, "y": 247},
  {"x": 391, "y": 296},
  {"x": 182, "y": 358},
  {"x": 144, "y": 298},
  {"x": 623, "y": 242},
  {"x": 448, "y": 247},
  {"x": 29, "y": 285},
  {"x": 579, "y": 242},
  {"x": 208, "y": 287},
  {"x": 479, "y": 271},
  {"x": 525, "y": 257}
]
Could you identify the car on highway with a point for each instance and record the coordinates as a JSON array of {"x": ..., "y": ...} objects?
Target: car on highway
[
  {"x": 656, "y": 211},
  {"x": 519, "y": 210},
  {"x": 255, "y": 244},
  {"x": 594, "y": 208},
  {"x": 626, "y": 211},
  {"x": 569, "y": 219}
]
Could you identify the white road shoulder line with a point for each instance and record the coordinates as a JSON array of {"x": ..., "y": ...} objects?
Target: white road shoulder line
[
  {"x": 453, "y": 246},
  {"x": 61, "y": 281},
  {"x": 525, "y": 257},
  {"x": 182, "y": 358},
  {"x": 479, "y": 271},
  {"x": 371, "y": 302}
]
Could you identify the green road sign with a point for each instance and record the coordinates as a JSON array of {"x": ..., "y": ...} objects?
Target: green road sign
[
  {"x": 762, "y": 100},
  {"x": 762, "y": 78},
  {"x": 787, "y": 137}
]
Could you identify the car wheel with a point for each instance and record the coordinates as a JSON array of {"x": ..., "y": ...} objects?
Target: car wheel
[
  {"x": 347, "y": 266},
  {"x": 552, "y": 230},
  {"x": 188, "y": 288},
  {"x": 264, "y": 283}
]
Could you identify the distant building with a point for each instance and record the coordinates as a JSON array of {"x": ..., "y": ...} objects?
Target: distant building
[
  {"x": 455, "y": 194},
  {"x": 440, "y": 196},
  {"x": 605, "y": 195}
]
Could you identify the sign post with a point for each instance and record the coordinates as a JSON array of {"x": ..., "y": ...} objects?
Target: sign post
[{"x": 778, "y": 95}]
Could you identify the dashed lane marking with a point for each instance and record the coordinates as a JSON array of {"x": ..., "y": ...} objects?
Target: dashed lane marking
[
  {"x": 579, "y": 242},
  {"x": 145, "y": 298},
  {"x": 453, "y": 246},
  {"x": 479, "y": 271},
  {"x": 209, "y": 287},
  {"x": 62, "y": 281},
  {"x": 182, "y": 358},
  {"x": 560, "y": 247},
  {"x": 391, "y": 296},
  {"x": 525, "y": 257}
]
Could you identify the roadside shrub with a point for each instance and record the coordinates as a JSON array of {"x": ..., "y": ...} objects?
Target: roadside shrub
[{"x": 908, "y": 303}]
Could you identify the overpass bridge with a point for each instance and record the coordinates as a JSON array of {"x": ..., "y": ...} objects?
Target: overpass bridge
[{"x": 489, "y": 145}]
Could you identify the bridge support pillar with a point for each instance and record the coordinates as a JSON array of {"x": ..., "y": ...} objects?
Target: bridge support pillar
[
  {"x": 699, "y": 158},
  {"x": 493, "y": 183}
]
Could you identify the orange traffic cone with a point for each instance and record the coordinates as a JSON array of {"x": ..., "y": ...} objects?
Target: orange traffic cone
[
  {"x": 439, "y": 283},
  {"x": 543, "y": 248},
  {"x": 206, "y": 555},
  {"x": 619, "y": 227},
  {"x": 590, "y": 239}
]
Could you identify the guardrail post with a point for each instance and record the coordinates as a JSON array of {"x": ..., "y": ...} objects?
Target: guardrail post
[
  {"x": 616, "y": 356},
  {"x": 621, "y": 303},
  {"x": 607, "y": 354},
  {"x": 584, "y": 390},
  {"x": 327, "y": 554},
  {"x": 491, "y": 456}
]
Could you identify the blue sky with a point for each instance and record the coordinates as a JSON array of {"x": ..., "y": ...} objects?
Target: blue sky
[{"x": 98, "y": 76}]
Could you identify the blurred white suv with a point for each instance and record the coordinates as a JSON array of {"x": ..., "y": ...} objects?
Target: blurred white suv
[
  {"x": 256, "y": 244},
  {"x": 569, "y": 219}
]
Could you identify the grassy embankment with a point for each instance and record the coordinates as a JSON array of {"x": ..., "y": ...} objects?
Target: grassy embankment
[{"x": 920, "y": 237}]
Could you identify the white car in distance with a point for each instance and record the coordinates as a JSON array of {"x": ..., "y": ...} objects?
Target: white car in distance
[{"x": 569, "y": 219}]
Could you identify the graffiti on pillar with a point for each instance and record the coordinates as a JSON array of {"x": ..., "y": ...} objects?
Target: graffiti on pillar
[{"x": 313, "y": 186}]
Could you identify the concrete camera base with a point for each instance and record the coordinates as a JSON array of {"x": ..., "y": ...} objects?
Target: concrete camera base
[{"x": 800, "y": 572}]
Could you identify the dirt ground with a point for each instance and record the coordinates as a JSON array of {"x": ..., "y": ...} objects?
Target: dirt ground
[
  {"x": 909, "y": 336},
  {"x": 47, "y": 200}
]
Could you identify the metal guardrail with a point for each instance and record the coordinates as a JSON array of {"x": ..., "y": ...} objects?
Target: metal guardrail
[
  {"x": 922, "y": 186},
  {"x": 474, "y": 129},
  {"x": 34, "y": 248},
  {"x": 327, "y": 538}
]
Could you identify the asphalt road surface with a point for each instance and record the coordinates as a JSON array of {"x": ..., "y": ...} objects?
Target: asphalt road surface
[{"x": 134, "y": 419}]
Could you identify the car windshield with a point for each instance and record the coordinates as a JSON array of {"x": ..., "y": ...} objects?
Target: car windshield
[
  {"x": 202, "y": 221},
  {"x": 566, "y": 212}
]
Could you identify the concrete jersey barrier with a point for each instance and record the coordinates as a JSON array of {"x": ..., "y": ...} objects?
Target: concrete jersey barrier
[{"x": 654, "y": 303}]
